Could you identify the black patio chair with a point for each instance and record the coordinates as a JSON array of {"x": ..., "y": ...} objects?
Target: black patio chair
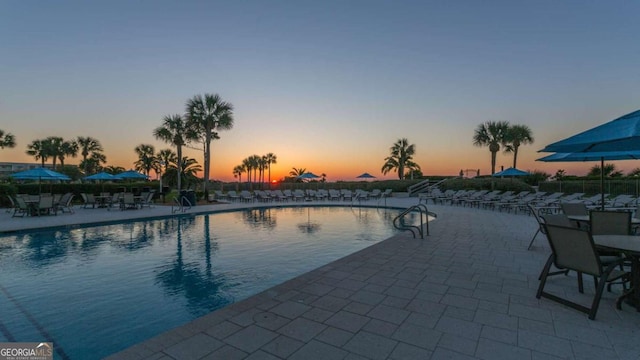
[{"x": 574, "y": 249}]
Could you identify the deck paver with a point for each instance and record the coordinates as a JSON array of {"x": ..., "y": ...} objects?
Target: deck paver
[{"x": 465, "y": 292}]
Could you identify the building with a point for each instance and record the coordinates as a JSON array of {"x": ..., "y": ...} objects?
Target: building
[{"x": 7, "y": 168}]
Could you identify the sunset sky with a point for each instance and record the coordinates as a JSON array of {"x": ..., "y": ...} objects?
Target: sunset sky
[{"x": 325, "y": 85}]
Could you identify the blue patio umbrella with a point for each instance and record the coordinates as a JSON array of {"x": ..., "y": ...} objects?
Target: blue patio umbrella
[
  {"x": 608, "y": 141},
  {"x": 593, "y": 156},
  {"x": 511, "y": 172},
  {"x": 621, "y": 134},
  {"x": 308, "y": 176},
  {"x": 101, "y": 176},
  {"x": 365, "y": 176},
  {"x": 131, "y": 175},
  {"x": 40, "y": 174}
]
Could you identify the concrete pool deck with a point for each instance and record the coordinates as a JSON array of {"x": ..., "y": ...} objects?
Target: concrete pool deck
[{"x": 465, "y": 292}]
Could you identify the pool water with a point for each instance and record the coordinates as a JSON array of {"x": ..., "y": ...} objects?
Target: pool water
[{"x": 96, "y": 290}]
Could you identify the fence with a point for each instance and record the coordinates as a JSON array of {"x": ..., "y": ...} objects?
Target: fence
[{"x": 591, "y": 187}]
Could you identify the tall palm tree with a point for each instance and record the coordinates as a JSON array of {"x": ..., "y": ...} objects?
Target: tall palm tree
[
  {"x": 248, "y": 166},
  {"x": 401, "y": 158},
  {"x": 67, "y": 148},
  {"x": 88, "y": 145},
  {"x": 146, "y": 158},
  {"x": 163, "y": 159},
  {"x": 54, "y": 143},
  {"x": 174, "y": 131},
  {"x": 255, "y": 165},
  {"x": 492, "y": 134},
  {"x": 39, "y": 150},
  {"x": 207, "y": 115},
  {"x": 517, "y": 135},
  {"x": 7, "y": 140},
  {"x": 270, "y": 158},
  {"x": 237, "y": 172}
]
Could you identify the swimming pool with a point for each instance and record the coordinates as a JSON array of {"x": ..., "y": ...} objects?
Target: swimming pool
[{"x": 96, "y": 290}]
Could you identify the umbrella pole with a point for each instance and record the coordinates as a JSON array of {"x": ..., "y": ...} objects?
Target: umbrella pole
[{"x": 602, "y": 182}]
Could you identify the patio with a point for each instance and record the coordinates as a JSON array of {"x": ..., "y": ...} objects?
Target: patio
[{"x": 465, "y": 292}]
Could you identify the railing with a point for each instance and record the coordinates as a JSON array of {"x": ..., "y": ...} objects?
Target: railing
[
  {"x": 423, "y": 186},
  {"x": 181, "y": 204},
  {"x": 399, "y": 224}
]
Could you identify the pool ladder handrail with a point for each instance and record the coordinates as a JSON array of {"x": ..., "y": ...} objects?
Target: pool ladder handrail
[
  {"x": 424, "y": 219},
  {"x": 179, "y": 205}
]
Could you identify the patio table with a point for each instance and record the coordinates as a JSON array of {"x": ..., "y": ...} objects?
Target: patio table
[{"x": 630, "y": 246}]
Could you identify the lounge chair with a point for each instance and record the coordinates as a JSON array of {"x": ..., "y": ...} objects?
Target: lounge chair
[
  {"x": 376, "y": 194},
  {"x": 128, "y": 201},
  {"x": 146, "y": 199},
  {"x": 88, "y": 199},
  {"x": 279, "y": 195},
  {"x": 232, "y": 195},
  {"x": 246, "y": 196},
  {"x": 262, "y": 196},
  {"x": 64, "y": 204},
  {"x": 22, "y": 208},
  {"x": 334, "y": 194},
  {"x": 45, "y": 206},
  {"x": 219, "y": 195},
  {"x": 299, "y": 195},
  {"x": 574, "y": 249},
  {"x": 346, "y": 194}
]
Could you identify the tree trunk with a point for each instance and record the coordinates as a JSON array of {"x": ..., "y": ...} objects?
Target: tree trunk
[
  {"x": 179, "y": 151},
  {"x": 515, "y": 156},
  {"x": 493, "y": 162},
  {"x": 207, "y": 162}
]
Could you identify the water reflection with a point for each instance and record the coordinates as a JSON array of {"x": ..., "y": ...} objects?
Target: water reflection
[
  {"x": 263, "y": 218},
  {"x": 203, "y": 290}
]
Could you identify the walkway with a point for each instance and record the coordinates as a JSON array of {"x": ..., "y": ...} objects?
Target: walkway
[{"x": 465, "y": 292}]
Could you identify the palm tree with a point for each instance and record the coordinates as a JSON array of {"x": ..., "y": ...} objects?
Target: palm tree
[
  {"x": 609, "y": 171},
  {"x": 163, "y": 159},
  {"x": 248, "y": 166},
  {"x": 87, "y": 146},
  {"x": 270, "y": 158},
  {"x": 190, "y": 168},
  {"x": 296, "y": 173},
  {"x": 112, "y": 169},
  {"x": 491, "y": 134},
  {"x": 39, "y": 150},
  {"x": 174, "y": 131},
  {"x": 7, "y": 140},
  {"x": 401, "y": 158},
  {"x": 146, "y": 158},
  {"x": 207, "y": 115},
  {"x": 517, "y": 135},
  {"x": 254, "y": 160},
  {"x": 54, "y": 143},
  {"x": 237, "y": 172},
  {"x": 93, "y": 164},
  {"x": 262, "y": 166},
  {"x": 67, "y": 148}
]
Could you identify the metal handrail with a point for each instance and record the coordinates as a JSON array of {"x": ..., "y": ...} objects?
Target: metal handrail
[{"x": 424, "y": 219}]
